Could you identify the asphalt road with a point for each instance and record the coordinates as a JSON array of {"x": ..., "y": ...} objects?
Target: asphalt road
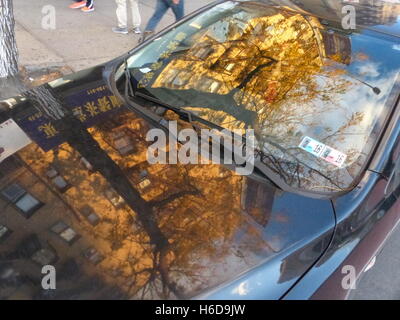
[{"x": 382, "y": 282}]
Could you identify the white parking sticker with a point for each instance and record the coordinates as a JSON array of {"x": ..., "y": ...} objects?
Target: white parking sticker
[
  {"x": 312, "y": 146},
  {"x": 323, "y": 151},
  {"x": 333, "y": 156}
]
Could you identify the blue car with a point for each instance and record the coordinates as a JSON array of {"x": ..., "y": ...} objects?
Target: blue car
[{"x": 316, "y": 82}]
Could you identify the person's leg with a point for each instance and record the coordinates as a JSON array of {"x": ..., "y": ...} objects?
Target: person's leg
[
  {"x": 178, "y": 9},
  {"x": 122, "y": 14},
  {"x": 161, "y": 8},
  {"x": 137, "y": 20}
]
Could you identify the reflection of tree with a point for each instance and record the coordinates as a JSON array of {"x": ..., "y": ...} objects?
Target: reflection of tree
[
  {"x": 188, "y": 217},
  {"x": 255, "y": 61},
  {"x": 81, "y": 140},
  {"x": 270, "y": 75}
]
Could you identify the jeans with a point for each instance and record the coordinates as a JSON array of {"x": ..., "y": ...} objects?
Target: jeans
[
  {"x": 122, "y": 13},
  {"x": 161, "y": 8}
]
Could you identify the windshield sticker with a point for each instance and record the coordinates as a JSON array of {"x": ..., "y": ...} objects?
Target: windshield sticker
[
  {"x": 312, "y": 146},
  {"x": 333, "y": 156},
  {"x": 323, "y": 151}
]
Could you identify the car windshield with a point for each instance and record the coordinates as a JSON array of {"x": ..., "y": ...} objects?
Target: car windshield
[{"x": 315, "y": 95}]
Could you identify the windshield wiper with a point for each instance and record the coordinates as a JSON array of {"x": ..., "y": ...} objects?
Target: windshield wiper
[
  {"x": 272, "y": 171},
  {"x": 186, "y": 116},
  {"x": 130, "y": 92}
]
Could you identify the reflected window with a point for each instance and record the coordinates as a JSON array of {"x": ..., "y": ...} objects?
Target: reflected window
[
  {"x": 58, "y": 181},
  {"x": 122, "y": 142},
  {"x": 177, "y": 78},
  {"x": 112, "y": 196},
  {"x": 37, "y": 250},
  {"x": 4, "y": 233},
  {"x": 210, "y": 85},
  {"x": 21, "y": 199},
  {"x": 181, "y": 79},
  {"x": 88, "y": 212},
  {"x": 142, "y": 185},
  {"x": 8, "y": 166},
  {"x": 93, "y": 255},
  {"x": 229, "y": 67},
  {"x": 65, "y": 232},
  {"x": 203, "y": 52},
  {"x": 214, "y": 86}
]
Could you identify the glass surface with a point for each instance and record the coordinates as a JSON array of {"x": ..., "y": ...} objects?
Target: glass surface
[
  {"x": 27, "y": 203},
  {"x": 285, "y": 75},
  {"x": 13, "y": 192},
  {"x": 68, "y": 234}
]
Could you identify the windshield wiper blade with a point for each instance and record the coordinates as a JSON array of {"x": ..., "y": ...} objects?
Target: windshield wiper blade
[
  {"x": 130, "y": 92},
  {"x": 187, "y": 116}
]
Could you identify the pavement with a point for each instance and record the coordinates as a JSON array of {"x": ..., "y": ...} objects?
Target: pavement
[
  {"x": 79, "y": 40},
  {"x": 382, "y": 282}
]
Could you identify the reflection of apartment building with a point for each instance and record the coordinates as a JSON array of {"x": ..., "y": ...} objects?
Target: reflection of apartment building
[
  {"x": 53, "y": 209},
  {"x": 377, "y": 14},
  {"x": 38, "y": 227},
  {"x": 41, "y": 225}
]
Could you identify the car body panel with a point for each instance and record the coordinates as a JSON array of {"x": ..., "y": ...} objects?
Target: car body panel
[
  {"x": 267, "y": 243},
  {"x": 261, "y": 241}
]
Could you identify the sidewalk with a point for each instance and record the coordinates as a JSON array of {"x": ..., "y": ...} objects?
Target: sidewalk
[{"x": 80, "y": 40}]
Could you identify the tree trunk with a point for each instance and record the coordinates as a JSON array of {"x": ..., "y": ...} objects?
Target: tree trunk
[
  {"x": 8, "y": 45},
  {"x": 45, "y": 100}
]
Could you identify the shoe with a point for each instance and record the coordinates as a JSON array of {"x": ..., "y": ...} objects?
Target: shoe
[
  {"x": 137, "y": 30},
  {"x": 120, "y": 30},
  {"x": 87, "y": 9},
  {"x": 146, "y": 34},
  {"x": 78, "y": 5}
]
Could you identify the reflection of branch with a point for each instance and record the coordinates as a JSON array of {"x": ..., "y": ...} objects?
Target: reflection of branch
[
  {"x": 173, "y": 197},
  {"x": 298, "y": 161},
  {"x": 250, "y": 76}
]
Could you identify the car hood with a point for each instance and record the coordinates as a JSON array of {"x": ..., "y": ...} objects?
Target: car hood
[{"x": 229, "y": 236}]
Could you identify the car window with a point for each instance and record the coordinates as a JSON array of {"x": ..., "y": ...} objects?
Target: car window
[{"x": 316, "y": 97}]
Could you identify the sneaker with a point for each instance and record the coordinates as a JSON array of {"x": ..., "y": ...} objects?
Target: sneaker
[
  {"x": 78, "y": 5},
  {"x": 87, "y": 9},
  {"x": 120, "y": 30},
  {"x": 137, "y": 30},
  {"x": 146, "y": 34}
]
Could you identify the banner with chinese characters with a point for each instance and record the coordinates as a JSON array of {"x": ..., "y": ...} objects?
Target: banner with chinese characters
[
  {"x": 90, "y": 106},
  {"x": 12, "y": 139}
]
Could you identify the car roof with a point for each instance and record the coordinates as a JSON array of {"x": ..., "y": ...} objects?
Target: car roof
[{"x": 382, "y": 16}]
